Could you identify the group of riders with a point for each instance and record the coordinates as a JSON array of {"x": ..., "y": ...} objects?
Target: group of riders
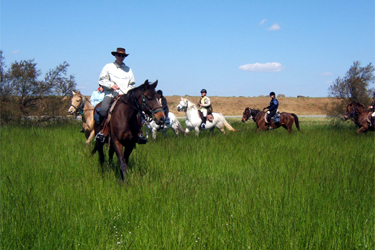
[{"x": 116, "y": 79}]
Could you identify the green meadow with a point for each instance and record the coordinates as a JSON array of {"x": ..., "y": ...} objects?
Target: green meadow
[{"x": 312, "y": 189}]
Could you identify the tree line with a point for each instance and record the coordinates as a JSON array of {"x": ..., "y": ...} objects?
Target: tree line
[{"x": 23, "y": 94}]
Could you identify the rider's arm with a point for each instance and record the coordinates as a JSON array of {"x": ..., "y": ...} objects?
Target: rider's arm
[
  {"x": 104, "y": 79},
  {"x": 207, "y": 102}
]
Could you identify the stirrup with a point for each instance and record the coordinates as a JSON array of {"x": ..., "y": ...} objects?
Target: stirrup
[
  {"x": 100, "y": 137},
  {"x": 203, "y": 125}
]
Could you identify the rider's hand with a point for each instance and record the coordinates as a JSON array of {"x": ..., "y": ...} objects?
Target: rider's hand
[{"x": 115, "y": 87}]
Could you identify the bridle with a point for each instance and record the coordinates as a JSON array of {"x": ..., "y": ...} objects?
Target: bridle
[
  {"x": 79, "y": 110},
  {"x": 185, "y": 108},
  {"x": 144, "y": 105}
]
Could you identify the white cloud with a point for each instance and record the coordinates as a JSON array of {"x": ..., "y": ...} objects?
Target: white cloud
[
  {"x": 327, "y": 74},
  {"x": 262, "y": 67},
  {"x": 263, "y": 21},
  {"x": 276, "y": 26},
  {"x": 16, "y": 51}
]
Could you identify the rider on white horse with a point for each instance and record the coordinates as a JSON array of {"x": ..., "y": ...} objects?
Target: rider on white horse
[{"x": 204, "y": 107}]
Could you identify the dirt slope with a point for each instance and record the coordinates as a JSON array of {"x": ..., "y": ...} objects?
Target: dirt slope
[{"x": 236, "y": 105}]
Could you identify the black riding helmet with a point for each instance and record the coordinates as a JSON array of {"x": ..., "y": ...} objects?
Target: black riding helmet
[
  {"x": 272, "y": 93},
  {"x": 204, "y": 91}
]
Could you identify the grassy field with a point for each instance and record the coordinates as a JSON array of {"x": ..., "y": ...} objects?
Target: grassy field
[{"x": 312, "y": 189}]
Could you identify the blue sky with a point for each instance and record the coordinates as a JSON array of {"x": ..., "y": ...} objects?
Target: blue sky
[{"x": 230, "y": 48}]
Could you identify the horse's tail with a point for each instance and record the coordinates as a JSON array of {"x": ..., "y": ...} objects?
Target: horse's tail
[
  {"x": 227, "y": 125},
  {"x": 296, "y": 121}
]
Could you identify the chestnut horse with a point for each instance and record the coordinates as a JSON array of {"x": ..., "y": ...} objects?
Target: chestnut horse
[
  {"x": 360, "y": 115},
  {"x": 124, "y": 123},
  {"x": 286, "y": 119}
]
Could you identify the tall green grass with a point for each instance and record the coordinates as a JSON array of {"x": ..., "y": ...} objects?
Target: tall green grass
[{"x": 312, "y": 189}]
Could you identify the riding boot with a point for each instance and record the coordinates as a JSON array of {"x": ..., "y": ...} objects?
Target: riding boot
[
  {"x": 100, "y": 136},
  {"x": 372, "y": 121},
  {"x": 203, "y": 124}
]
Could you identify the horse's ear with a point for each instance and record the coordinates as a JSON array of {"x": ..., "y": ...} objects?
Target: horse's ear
[
  {"x": 154, "y": 84},
  {"x": 146, "y": 84},
  {"x": 73, "y": 92}
]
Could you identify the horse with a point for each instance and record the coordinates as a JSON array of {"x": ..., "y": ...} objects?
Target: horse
[
  {"x": 80, "y": 106},
  {"x": 286, "y": 119},
  {"x": 193, "y": 119},
  {"x": 360, "y": 115},
  {"x": 174, "y": 124},
  {"x": 125, "y": 124}
]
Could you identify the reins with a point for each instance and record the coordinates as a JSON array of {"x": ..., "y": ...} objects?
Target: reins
[{"x": 144, "y": 105}]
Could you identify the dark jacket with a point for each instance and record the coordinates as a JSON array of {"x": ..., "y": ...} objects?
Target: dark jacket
[
  {"x": 164, "y": 105},
  {"x": 274, "y": 104}
]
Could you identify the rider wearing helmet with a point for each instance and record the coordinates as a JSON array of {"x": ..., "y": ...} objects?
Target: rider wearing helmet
[
  {"x": 204, "y": 107},
  {"x": 272, "y": 108}
]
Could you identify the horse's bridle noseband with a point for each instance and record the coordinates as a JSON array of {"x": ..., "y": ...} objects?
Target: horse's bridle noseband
[{"x": 79, "y": 110}]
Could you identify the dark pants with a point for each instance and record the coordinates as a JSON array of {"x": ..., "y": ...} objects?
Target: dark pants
[
  {"x": 272, "y": 113},
  {"x": 106, "y": 103}
]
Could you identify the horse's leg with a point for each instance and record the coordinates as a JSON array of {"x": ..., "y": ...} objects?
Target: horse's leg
[
  {"x": 92, "y": 134},
  {"x": 117, "y": 147},
  {"x": 154, "y": 131},
  {"x": 220, "y": 126},
  {"x": 362, "y": 129},
  {"x": 196, "y": 131},
  {"x": 110, "y": 154}
]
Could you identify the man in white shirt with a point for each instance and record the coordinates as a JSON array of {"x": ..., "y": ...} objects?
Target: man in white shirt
[{"x": 116, "y": 78}]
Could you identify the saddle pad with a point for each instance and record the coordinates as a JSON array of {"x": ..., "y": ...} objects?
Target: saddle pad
[{"x": 210, "y": 117}]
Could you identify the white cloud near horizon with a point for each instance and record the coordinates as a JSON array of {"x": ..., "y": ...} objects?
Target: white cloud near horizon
[
  {"x": 276, "y": 26},
  {"x": 262, "y": 67}
]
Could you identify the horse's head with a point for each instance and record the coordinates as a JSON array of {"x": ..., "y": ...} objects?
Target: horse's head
[
  {"x": 76, "y": 103},
  {"x": 246, "y": 114},
  {"x": 183, "y": 105},
  {"x": 149, "y": 102},
  {"x": 353, "y": 110}
]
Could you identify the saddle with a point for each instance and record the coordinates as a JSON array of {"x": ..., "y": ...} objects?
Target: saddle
[
  {"x": 107, "y": 118},
  {"x": 210, "y": 116},
  {"x": 276, "y": 118}
]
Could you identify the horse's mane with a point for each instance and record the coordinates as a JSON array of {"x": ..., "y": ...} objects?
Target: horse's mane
[{"x": 358, "y": 105}]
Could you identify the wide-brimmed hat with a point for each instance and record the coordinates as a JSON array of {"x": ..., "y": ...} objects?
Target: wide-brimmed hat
[{"x": 119, "y": 51}]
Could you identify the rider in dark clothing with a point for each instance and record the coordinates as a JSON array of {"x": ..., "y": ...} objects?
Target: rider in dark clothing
[
  {"x": 272, "y": 108},
  {"x": 164, "y": 104}
]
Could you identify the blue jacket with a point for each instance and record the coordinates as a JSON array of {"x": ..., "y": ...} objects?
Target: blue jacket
[
  {"x": 274, "y": 104},
  {"x": 96, "y": 97}
]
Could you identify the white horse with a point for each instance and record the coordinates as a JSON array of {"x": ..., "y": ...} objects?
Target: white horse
[
  {"x": 193, "y": 119},
  {"x": 174, "y": 124}
]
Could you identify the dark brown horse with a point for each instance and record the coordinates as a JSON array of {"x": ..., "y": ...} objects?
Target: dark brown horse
[
  {"x": 286, "y": 119},
  {"x": 124, "y": 124},
  {"x": 360, "y": 115}
]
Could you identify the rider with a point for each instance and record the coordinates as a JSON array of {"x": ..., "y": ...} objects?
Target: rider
[
  {"x": 97, "y": 96},
  {"x": 272, "y": 108},
  {"x": 116, "y": 78},
  {"x": 372, "y": 108},
  {"x": 163, "y": 101},
  {"x": 204, "y": 107}
]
